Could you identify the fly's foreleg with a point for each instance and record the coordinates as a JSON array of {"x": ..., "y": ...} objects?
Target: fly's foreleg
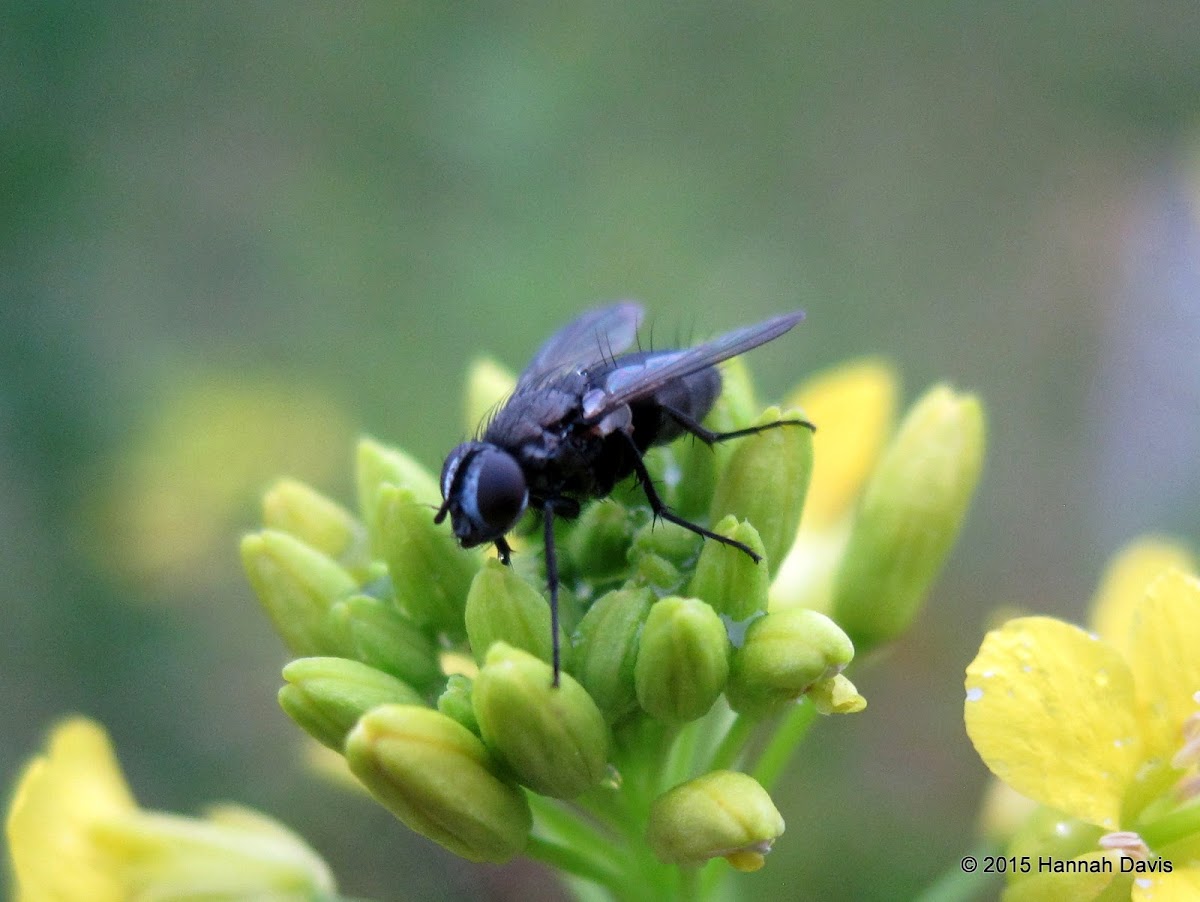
[
  {"x": 503, "y": 551},
  {"x": 551, "y": 578},
  {"x": 569, "y": 509}
]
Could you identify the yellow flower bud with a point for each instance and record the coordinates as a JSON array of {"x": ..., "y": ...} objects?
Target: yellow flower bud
[
  {"x": 723, "y": 814},
  {"x": 291, "y": 506},
  {"x": 766, "y": 481},
  {"x": 683, "y": 660},
  {"x": 438, "y": 778},
  {"x": 502, "y": 607},
  {"x": 606, "y": 653},
  {"x": 297, "y": 586},
  {"x": 727, "y": 578},
  {"x": 910, "y": 515},
  {"x": 783, "y": 655},
  {"x": 327, "y": 696},
  {"x": 430, "y": 573},
  {"x": 553, "y": 738}
]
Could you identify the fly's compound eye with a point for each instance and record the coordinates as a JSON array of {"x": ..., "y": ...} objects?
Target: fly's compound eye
[{"x": 500, "y": 493}]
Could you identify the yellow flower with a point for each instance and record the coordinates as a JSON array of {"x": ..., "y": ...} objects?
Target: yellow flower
[
  {"x": 1103, "y": 729},
  {"x": 75, "y": 834},
  {"x": 165, "y": 511}
]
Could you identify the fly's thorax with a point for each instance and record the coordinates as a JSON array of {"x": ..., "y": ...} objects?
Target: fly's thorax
[{"x": 484, "y": 491}]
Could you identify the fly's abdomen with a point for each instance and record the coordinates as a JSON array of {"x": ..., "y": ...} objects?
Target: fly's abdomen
[{"x": 691, "y": 396}]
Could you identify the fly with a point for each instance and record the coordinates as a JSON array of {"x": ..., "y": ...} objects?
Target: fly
[{"x": 581, "y": 417}]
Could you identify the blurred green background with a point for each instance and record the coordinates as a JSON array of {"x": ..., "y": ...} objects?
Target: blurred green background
[{"x": 234, "y": 236}]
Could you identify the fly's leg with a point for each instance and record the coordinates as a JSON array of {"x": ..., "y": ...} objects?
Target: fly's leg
[
  {"x": 711, "y": 438},
  {"x": 567, "y": 508},
  {"x": 504, "y": 551},
  {"x": 551, "y": 578},
  {"x": 660, "y": 509}
]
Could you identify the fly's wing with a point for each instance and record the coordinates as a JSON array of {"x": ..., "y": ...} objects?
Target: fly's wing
[
  {"x": 592, "y": 338},
  {"x": 629, "y": 383}
]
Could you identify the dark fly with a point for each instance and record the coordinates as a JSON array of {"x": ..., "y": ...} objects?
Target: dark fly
[{"x": 579, "y": 420}]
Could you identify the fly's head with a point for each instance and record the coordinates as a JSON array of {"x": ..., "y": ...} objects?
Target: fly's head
[{"x": 483, "y": 491}]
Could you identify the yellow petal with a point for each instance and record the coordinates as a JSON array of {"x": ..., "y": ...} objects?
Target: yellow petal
[
  {"x": 238, "y": 854},
  {"x": 1124, "y": 585},
  {"x": 1165, "y": 657},
  {"x": 58, "y": 799},
  {"x": 1182, "y": 885},
  {"x": 1051, "y": 711},
  {"x": 853, "y": 407}
]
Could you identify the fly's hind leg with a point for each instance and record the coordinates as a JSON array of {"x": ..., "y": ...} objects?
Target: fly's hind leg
[
  {"x": 711, "y": 438},
  {"x": 660, "y": 509}
]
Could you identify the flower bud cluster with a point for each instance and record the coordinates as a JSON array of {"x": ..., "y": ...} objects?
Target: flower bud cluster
[{"x": 675, "y": 648}]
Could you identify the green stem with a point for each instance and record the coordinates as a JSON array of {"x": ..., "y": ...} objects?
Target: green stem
[
  {"x": 689, "y": 884},
  {"x": 710, "y": 878},
  {"x": 714, "y": 726},
  {"x": 958, "y": 885},
  {"x": 567, "y": 825},
  {"x": 679, "y": 761},
  {"x": 573, "y": 861},
  {"x": 1180, "y": 823},
  {"x": 732, "y": 743},
  {"x": 774, "y": 758}
]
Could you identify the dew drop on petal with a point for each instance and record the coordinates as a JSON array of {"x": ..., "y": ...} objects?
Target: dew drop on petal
[{"x": 974, "y": 694}]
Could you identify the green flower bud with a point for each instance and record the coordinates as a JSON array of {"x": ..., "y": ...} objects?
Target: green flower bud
[
  {"x": 297, "y": 586},
  {"x": 737, "y": 406},
  {"x": 455, "y": 701},
  {"x": 655, "y": 572},
  {"x": 554, "y": 739},
  {"x": 723, "y": 814},
  {"x": 437, "y": 777},
  {"x": 700, "y": 465},
  {"x": 783, "y": 655},
  {"x": 327, "y": 696},
  {"x": 378, "y": 465},
  {"x": 835, "y": 695},
  {"x": 375, "y": 632},
  {"x": 599, "y": 542},
  {"x": 606, "y": 651},
  {"x": 909, "y": 516},
  {"x": 669, "y": 541},
  {"x": 291, "y": 506},
  {"x": 430, "y": 573},
  {"x": 502, "y": 607},
  {"x": 488, "y": 384},
  {"x": 728, "y": 579},
  {"x": 766, "y": 481},
  {"x": 683, "y": 660}
]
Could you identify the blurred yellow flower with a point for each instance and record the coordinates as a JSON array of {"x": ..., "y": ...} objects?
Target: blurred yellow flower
[
  {"x": 1104, "y": 729},
  {"x": 75, "y": 834},
  {"x": 166, "y": 511},
  {"x": 854, "y": 408}
]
